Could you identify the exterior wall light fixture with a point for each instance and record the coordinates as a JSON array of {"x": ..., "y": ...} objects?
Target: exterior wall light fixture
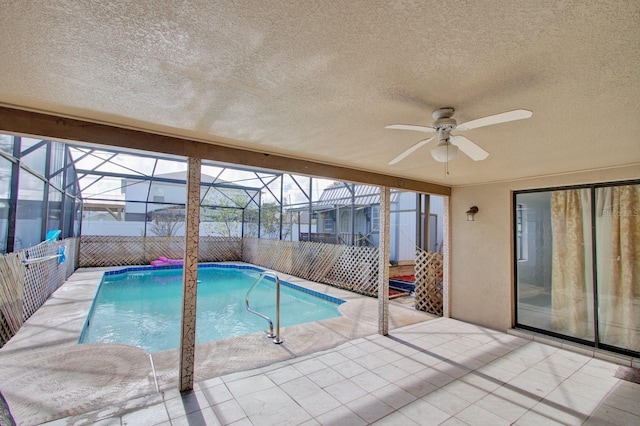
[{"x": 471, "y": 213}]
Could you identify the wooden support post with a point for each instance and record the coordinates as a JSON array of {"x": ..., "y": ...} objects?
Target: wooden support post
[
  {"x": 190, "y": 277},
  {"x": 383, "y": 262}
]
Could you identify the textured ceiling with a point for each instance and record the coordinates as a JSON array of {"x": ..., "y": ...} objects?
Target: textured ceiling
[{"x": 319, "y": 80}]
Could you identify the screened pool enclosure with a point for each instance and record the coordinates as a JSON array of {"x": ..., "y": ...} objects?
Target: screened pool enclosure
[{"x": 116, "y": 207}]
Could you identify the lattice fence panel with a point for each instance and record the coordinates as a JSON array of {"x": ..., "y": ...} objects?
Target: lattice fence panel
[
  {"x": 11, "y": 296},
  {"x": 352, "y": 268},
  {"x": 156, "y": 247},
  {"x": 24, "y": 288},
  {"x": 356, "y": 270},
  {"x": 219, "y": 249},
  {"x": 429, "y": 269},
  {"x": 96, "y": 250}
]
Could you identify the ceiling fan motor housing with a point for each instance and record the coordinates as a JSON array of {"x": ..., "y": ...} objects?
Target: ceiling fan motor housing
[{"x": 444, "y": 120}]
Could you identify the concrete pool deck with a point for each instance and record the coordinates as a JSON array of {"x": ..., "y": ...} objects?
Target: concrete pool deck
[{"x": 47, "y": 375}]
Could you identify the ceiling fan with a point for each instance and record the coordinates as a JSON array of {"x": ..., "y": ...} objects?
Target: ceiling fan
[{"x": 449, "y": 144}]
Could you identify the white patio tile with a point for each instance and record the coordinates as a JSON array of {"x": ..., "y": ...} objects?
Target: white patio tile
[
  {"x": 467, "y": 391},
  {"x": 447, "y": 402},
  {"x": 426, "y": 359},
  {"x": 535, "y": 382},
  {"x": 482, "y": 382},
  {"x": 300, "y": 388},
  {"x": 504, "y": 409},
  {"x": 284, "y": 374},
  {"x": 409, "y": 365},
  {"x": 369, "y": 408},
  {"x": 394, "y": 396},
  {"x": 407, "y": 350},
  {"x": 369, "y": 381},
  {"x": 242, "y": 422},
  {"x": 186, "y": 403},
  {"x": 249, "y": 385},
  {"x": 349, "y": 368},
  {"x": 340, "y": 416},
  {"x": 326, "y": 377},
  {"x": 599, "y": 368},
  {"x": 417, "y": 384},
  {"x": 478, "y": 416},
  {"x": 217, "y": 394},
  {"x": 309, "y": 366},
  {"x": 611, "y": 416},
  {"x": 572, "y": 387},
  {"x": 394, "y": 419},
  {"x": 451, "y": 369},
  {"x": 531, "y": 418},
  {"x": 352, "y": 352},
  {"x": 149, "y": 416},
  {"x": 452, "y": 421},
  {"x": 229, "y": 411},
  {"x": 437, "y": 375},
  {"x": 332, "y": 358},
  {"x": 391, "y": 372},
  {"x": 311, "y": 422},
  {"x": 319, "y": 403},
  {"x": 531, "y": 353},
  {"x": 203, "y": 384},
  {"x": 205, "y": 417},
  {"x": 368, "y": 346},
  {"x": 624, "y": 402},
  {"x": 503, "y": 370},
  {"x": 389, "y": 355},
  {"x": 271, "y": 406},
  {"x": 370, "y": 361},
  {"x": 345, "y": 391},
  {"x": 424, "y": 413},
  {"x": 557, "y": 412}
]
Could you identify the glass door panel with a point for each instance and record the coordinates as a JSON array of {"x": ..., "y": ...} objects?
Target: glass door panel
[
  {"x": 553, "y": 251},
  {"x": 618, "y": 265}
]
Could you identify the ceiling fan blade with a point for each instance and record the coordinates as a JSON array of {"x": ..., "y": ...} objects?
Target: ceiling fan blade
[
  {"x": 516, "y": 114},
  {"x": 471, "y": 149},
  {"x": 410, "y": 150},
  {"x": 424, "y": 129}
]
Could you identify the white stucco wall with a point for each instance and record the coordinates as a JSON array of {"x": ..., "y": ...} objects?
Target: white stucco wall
[{"x": 481, "y": 286}]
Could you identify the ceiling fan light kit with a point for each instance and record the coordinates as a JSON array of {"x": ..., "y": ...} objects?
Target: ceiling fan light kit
[
  {"x": 448, "y": 144},
  {"x": 444, "y": 152}
]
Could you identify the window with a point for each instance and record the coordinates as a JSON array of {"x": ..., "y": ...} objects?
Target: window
[
  {"x": 521, "y": 232},
  {"x": 577, "y": 273},
  {"x": 375, "y": 218},
  {"x": 29, "y": 211},
  {"x": 328, "y": 224}
]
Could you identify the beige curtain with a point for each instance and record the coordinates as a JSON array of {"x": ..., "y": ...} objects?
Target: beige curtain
[
  {"x": 571, "y": 277},
  {"x": 618, "y": 254}
]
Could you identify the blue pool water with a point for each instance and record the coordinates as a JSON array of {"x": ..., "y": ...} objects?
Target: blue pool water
[{"x": 142, "y": 307}]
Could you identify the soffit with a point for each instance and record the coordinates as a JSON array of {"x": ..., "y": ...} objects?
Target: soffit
[{"x": 320, "y": 80}]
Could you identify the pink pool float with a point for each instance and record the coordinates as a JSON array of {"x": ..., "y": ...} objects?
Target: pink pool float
[{"x": 163, "y": 261}]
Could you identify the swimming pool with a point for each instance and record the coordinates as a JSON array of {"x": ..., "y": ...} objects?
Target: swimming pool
[{"x": 143, "y": 306}]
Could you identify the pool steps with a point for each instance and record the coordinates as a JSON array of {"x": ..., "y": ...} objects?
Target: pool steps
[{"x": 274, "y": 276}]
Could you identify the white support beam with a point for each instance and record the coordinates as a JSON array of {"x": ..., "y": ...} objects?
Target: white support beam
[
  {"x": 383, "y": 262},
  {"x": 190, "y": 277}
]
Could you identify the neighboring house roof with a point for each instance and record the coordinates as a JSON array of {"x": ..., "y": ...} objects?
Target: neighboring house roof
[{"x": 341, "y": 194}]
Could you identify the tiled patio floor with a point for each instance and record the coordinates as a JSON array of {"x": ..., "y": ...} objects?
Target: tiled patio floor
[
  {"x": 429, "y": 372},
  {"x": 436, "y": 372}
]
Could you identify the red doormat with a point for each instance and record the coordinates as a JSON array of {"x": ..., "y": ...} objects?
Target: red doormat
[
  {"x": 396, "y": 293},
  {"x": 407, "y": 278},
  {"x": 629, "y": 374}
]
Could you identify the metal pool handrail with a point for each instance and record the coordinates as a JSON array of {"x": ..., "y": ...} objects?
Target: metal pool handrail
[{"x": 275, "y": 337}]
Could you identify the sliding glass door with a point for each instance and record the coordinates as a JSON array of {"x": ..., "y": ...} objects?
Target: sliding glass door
[
  {"x": 577, "y": 256},
  {"x": 618, "y": 265}
]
